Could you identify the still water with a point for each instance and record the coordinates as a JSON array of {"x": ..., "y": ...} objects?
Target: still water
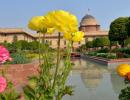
[{"x": 94, "y": 81}]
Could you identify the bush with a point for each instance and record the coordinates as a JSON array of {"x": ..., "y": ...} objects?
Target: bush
[
  {"x": 107, "y": 55},
  {"x": 124, "y": 50},
  {"x": 19, "y": 58},
  {"x": 104, "y": 50},
  {"x": 104, "y": 55},
  {"x": 92, "y": 53},
  {"x": 112, "y": 56}
]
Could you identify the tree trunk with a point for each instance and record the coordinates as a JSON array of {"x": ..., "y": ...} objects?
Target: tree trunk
[{"x": 122, "y": 44}]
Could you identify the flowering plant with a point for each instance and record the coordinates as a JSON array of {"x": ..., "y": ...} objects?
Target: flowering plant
[
  {"x": 7, "y": 91},
  {"x": 124, "y": 71},
  {"x": 4, "y": 55},
  {"x": 3, "y": 84},
  {"x": 51, "y": 82}
]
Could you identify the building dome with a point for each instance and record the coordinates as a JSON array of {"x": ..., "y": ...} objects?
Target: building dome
[
  {"x": 88, "y": 20},
  {"x": 89, "y": 23}
]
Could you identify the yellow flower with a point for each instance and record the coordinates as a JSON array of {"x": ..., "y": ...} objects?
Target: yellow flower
[
  {"x": 77, "y": 36},
  {"x": 66, "y": 21},
  {"x": 49, "y": 21},
  {"x": 36, "y": 23},
  {"x": 61, "y": 20},
  {"x": 67, "y": 36},
  {"x": 123, "y": 69},
  {"x": 50, "y": 30}
]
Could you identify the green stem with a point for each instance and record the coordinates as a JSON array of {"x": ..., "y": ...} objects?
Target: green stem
[
  {"x": 58, "y": 61},
  {"x": 39, "y": 50},
  {"x": 68, "y": 63}
]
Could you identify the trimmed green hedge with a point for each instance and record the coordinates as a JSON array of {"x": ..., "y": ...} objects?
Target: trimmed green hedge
[{"x": 104, "y": 55}]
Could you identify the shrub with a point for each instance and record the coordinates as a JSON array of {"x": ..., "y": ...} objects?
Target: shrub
[
  {"x": 107, "y": 55},
  {"x": 19, "y": 58},
  {"x": 92, "y": 53},
  {"x": 112, "y": 56},
  {"x": 124, "y": 50},
  {"x": 104, "y": 55},
  {"x": 104, "y": 50}
]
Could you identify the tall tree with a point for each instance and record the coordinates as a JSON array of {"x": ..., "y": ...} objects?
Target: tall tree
[{"x": 119, "y": 30}]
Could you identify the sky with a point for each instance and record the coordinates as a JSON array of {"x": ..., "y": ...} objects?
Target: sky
[{"x": 17, "y": 13}]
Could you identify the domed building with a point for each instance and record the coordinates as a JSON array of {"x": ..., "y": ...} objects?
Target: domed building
[
  {"x": 91, "y": 27},
  {"x": 88, "y": 24}
]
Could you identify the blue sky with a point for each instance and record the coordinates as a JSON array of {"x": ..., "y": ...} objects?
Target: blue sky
[{"x": 16, "y": 13}]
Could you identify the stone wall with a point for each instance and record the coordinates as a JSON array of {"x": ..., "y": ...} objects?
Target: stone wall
[{"x": 19, "y": 73}]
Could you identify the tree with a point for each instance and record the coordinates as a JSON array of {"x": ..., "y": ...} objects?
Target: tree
[
  {"x": 101, "y": 42},
  {"x": 89, "y": 44},
  {"x": 127, "y": 42},
  {"x": 119, "y": 30},
  {"x": 128, "y": 26}
]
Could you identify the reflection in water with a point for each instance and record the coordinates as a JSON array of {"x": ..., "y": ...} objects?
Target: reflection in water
[
  {"x": 91, "y": 78},
  {"x": 91, "y": 74},
  {"x": 117, "y": 82},
  {"x": 94, "y": 82}
]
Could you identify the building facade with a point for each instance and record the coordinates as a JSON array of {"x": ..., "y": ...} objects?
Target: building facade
[
  {"x": 89, "y": 25},
  {"x": 9, "y": 34}
]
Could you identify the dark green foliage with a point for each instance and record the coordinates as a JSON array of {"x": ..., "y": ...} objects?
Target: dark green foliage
[
  {"x": 103, "y": 50},
  {"x": 124, "y": 50},
  {"x": 23, "y": 45},
  {"x": 92, "y": 53},
  {"x": 33, "y": 46},
  {"x": 89, "y": 44},
  {"x": 107, "y": 55},
  {"x": 128, "y": 26},
  {"x": 125, "y": 93},
  {"x": 19, "y": 58},
  {"x": 81, "y": 48},
  {"x": 119, "y": 30},
  {"x": 101, "y": 42},
  {"x": 127, "y": 42},
  {"x": 103, "y": 55}
]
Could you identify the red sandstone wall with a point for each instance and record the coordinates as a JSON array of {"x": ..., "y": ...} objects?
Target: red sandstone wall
[{"x": 19, "y": 73}]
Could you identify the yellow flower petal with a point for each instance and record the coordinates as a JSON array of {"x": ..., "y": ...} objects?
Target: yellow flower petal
[
  {"x": 59, "y": 20},
  {"x": 36, "y": 23},
  {"x": 123, "y": 69},
  {"x": 62, "y": 21},
  {"x": 77, "y": 36},
  {"x": 50, "y": 30},
  {"x": 67, "y": 36}
]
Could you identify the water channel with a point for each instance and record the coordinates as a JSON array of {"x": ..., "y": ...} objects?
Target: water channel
[{"x": 93, "y": 81}]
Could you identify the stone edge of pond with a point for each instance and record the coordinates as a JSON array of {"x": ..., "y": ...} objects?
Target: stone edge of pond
[{"x": 105, "y": 61}]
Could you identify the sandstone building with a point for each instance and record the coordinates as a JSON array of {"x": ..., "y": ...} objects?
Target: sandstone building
[{"x": 88, "y": 24}]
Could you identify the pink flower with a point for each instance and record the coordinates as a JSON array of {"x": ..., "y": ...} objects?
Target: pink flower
[
  {"x": 4, "y": 55},
  {"x": 3, "y": 84}
]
